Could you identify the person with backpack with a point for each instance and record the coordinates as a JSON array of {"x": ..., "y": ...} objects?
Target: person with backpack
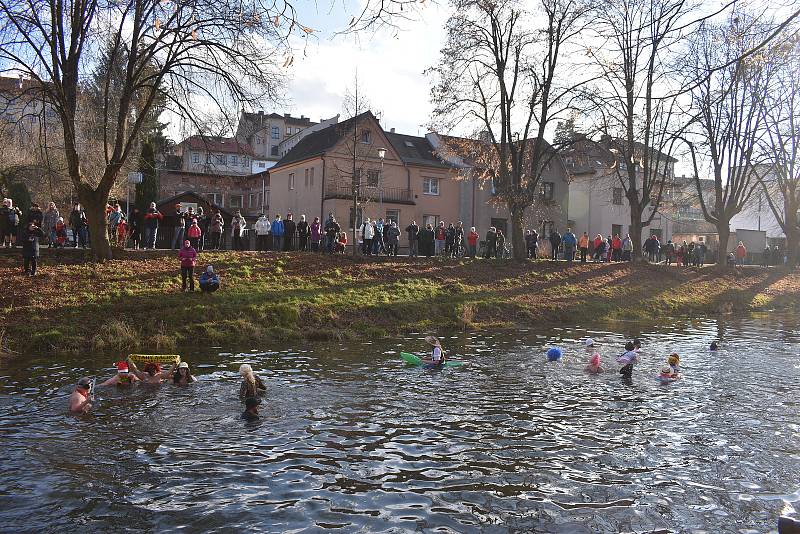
[
  {"x": 12, "y": 217},
  {"x": 30, "y": 247}
]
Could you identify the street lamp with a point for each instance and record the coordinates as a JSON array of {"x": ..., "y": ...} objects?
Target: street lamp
[{"x": 381, "y": 155}]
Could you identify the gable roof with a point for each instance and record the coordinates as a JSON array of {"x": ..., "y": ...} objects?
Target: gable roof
[
  {"x": 415, "y": 150},
  {"x": 318, "y": 143},
  {"x": 250, "y": 123}
]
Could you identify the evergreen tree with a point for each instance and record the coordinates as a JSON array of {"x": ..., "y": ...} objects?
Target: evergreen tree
[{"x": 147, "y": 191}]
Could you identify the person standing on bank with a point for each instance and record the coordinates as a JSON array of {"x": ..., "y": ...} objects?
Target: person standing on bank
[
  {"x": 151, "y": 219},
  {"x": 315, "y": 231},
  {"x": 216, "y": 227},
  {"x": 277, "y": 234},
  {"x": 50, "y": 219},
  {"x": 303, "y": 233},
  {"x": 367, "y": 233},
  {"x": 392, "y": 239},
  {"x": 188, "y": 257},
  {"x": 289, "y": 229},
  {"x": 180, "y": 227},
  {"x": 262, "y": 227},
  {"x": 238, "y": 225},
  {"x": 413, "y": 239},
  {"x": 30, "y": 247}
]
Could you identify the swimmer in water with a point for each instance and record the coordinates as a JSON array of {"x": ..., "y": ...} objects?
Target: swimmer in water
[
  {"x": 666, "y": 373},
  {"x": 182, "y": 376},
  {"x": 714, "y": 346},
  {"x": 252, "y": 385},
  {"x": 674, "y": 362},
  {"x": 152, "y": 373},
  {"x": 628, "y": 359},
  {"x": 251, "y": 409},
  {"x": 437, "y": 353},
  {"x": 594, "y": 364},
  {"x": 637, "y": 345},
  {"x": 80, "y": 400},
  {"x": 122, "y": 378}
]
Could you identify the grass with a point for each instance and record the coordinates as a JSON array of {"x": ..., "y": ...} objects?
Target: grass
[{"x": 134, "y": 303}]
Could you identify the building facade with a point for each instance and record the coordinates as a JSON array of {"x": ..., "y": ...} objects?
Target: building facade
[{"x": 264, "y": 132}]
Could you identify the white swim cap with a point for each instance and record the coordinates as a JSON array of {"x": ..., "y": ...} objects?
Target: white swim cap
[{"x": 589, "y": 342}]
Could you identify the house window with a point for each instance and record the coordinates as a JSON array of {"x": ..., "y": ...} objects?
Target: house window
[
  {"x": 623, "y": 166},
  {"x": 208, "y": 157},
  {"x": 547, "y": 192},
  {"x": 259, "y": 140},
  {"x": 244, "y": 162},
  {"x": 276, "y": 132},
  {"x": 617, "y": 196},
  {"x": 214, "y": 199},
  {"x": 291, "y": 180},
  {"x": 195, "y": 157},
  {"x": 432, "y": 220},
  {"x": 306, "y": 173},
  {"x": 254, "y": 200},
  {"x": 393, "y": 216},
  {"x": 360, "y": 217},
  {"x": 236, "y": 201},
  {"x": 219, "y": 159},
  {"x": 372, "y": 178},
  {"x": 430, "y": 186},
  {"x": 616, "y": 229},
  {"x": 274, "y": 150},
  {"x": 366, "y": 137},
  {"x": 311, "y": 175},
  {"x": 262, "y": 164},
  {"x": 232, "y": 160}
]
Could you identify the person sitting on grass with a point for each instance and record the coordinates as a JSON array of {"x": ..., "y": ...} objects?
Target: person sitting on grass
[
  {"x": 209, "y": 280},
  {"x": 182, "y": 376},
  {"x": 250, "y": 413},
  {"x": 252, "y": 385},
  {"x": 80, "y": 400},
  {"x": 188, "y": 257},
  {"x": 122, "y": 378},
  {"x": 341, "y": 244}
]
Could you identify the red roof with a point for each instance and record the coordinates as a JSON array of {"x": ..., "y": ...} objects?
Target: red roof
[{"x": 227, "y": 145}]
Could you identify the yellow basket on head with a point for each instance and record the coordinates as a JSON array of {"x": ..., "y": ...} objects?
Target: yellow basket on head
[{"x": 155, "y": 358}]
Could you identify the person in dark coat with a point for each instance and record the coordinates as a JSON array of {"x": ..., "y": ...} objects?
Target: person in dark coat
[
  {"x": 413, "y": 239},
  {"x": 426, "y": 238},
  {"x": 491, "y": 243},
  {"x": 135, "y": 229},
  {"x": 30, "y": 247},
  {"x": 289, "y": 230},
  {"x": 303, "y": 233},
  {"x": 555, "y": 244}
]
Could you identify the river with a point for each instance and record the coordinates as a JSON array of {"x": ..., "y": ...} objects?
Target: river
[{"x": 351, "y": 438}]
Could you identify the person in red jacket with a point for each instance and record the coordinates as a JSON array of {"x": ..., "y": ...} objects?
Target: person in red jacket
[
  {"x": 472, "y": 242},
  {"x": 188, "y": 257},
  {"x": 193, "y": 233},
  {"x": 616, "y": 248}
]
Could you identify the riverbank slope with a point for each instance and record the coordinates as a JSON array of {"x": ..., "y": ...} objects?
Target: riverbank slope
[{"x": 134, "y": 303}]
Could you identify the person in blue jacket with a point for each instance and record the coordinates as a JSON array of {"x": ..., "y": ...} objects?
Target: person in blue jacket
[
  {"x": 277, "y": 234},
  {"x": 570, "y": 243},
  {"x": 209, "y": 280}
]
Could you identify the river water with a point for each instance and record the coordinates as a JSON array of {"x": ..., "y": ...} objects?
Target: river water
[{"x": 352, "y": 439}]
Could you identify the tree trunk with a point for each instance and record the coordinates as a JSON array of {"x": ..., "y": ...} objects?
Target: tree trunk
[
  {"x": 95, "y": 208},
  {"x": 724, "y": 233},
  {"x": 792, "y": 245},
  {"x": 518, "y": 234},
  {"x": 636, "y": 234}
]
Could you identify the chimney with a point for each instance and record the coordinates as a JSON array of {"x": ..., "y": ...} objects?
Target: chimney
[
  {"x": 391, "y": 130},
  {"x": 20, "y": 82},
  {"x": 260, "y": 111},
  {"x": 287, "y": 115},
  {"x": 302, "y": 116}
]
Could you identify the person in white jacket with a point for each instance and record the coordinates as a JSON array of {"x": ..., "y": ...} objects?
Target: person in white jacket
[
  {"x": 262, "y": 228},
  {"x": 238, "y": 227},
  {"x": 367, "y": 233}
]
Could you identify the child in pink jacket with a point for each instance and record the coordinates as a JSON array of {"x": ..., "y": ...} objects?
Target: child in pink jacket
[{"x": 188, "y": 257}]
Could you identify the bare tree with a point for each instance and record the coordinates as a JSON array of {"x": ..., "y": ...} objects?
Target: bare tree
[
  {"x": 729, "y": 107},
  {"x": 781, "y": 144},
  {"x": 501, "y": 74},
  {"x": 192, "y": 54},
  {"x": 635, "y": 41}
]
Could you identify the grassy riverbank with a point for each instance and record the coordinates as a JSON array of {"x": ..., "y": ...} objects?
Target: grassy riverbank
[{"x": 135, "y": 302}]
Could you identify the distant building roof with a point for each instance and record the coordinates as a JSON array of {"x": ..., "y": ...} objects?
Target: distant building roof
[
  {"x": 251, "y": 122},
  {"x": 228, "y": 145},
  {"x": 414, "y": 150}
]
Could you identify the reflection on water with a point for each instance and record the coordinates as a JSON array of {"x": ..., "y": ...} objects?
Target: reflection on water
[{"x": 351, "y": 438}]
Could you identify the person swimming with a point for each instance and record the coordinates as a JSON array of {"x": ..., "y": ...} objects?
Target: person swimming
[
  {"x": 666, "y": 374},
  {"x": 628, "y": 359},
  {"x": 182, "y": 376},
  {"x": 122, "y": 378},
  {"x": 152, "y": 373},
  {"x": 437, "y": 353},
  {"x": 252, "y": 385},
  {"x": 714, "y": 346},
  {"x": 589, "y": 343},
  {"x": 594, "y": 366},
  {"x": 674, "y": 362},
  {"x": 251, "y": 409},
  {"x": 81, "y": 397},
  {"x": 637, "y": 345}
]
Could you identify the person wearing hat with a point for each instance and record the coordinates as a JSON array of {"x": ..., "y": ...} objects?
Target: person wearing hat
[
  {"x": 589, "y": 344},
  {"x": 666, "y": 374},
  {"x": 181, "y": 376},
  {"x": 123, "y": 376},
  {"x": 80, "y": 400},
  {"x": 437, "y": 353},
  {"x": 251, "y": 409},
  {"x": 554, "y": 354},
  {"x": 209, "y": 280},
  {"x": 152, "y": 373},
  {"x": 714, "y": 346}
]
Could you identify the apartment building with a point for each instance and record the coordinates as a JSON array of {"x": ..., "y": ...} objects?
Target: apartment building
[{"x": 264, "y": 132}]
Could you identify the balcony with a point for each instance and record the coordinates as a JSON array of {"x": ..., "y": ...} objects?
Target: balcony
[{"x": 394, "y": 195}]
